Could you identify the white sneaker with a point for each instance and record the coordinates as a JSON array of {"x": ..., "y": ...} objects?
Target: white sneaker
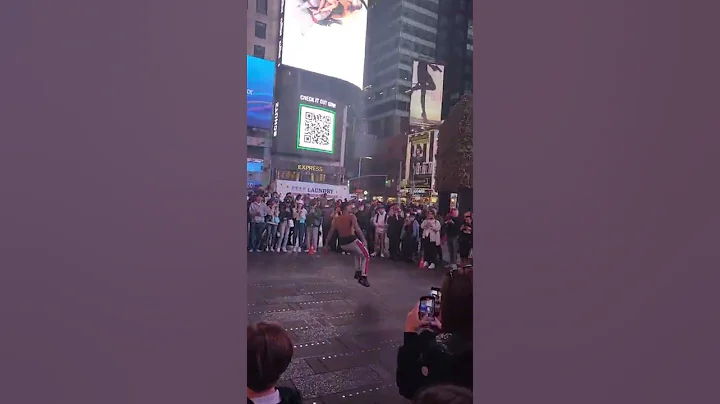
[
  {"x": 432, "y": 266},
  {"x": 284, "y": 249},
  {"x": 382, "y": 255},
  {"x": 426, "y": 264},
  {"x": 373, "y": 255},
  {"x": 277, "y": 249}
]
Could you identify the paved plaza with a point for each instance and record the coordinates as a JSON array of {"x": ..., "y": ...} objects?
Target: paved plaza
[{"x": 346, "y": 336}]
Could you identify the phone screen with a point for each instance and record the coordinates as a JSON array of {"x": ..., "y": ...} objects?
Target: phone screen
[
  {"x": 435, "y": 292},
  {"x": 427, "y": 307}
]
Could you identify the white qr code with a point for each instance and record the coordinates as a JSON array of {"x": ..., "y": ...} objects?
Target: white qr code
[{"x": 316, "y": 129}]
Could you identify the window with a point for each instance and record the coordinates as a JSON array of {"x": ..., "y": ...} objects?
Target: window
[
  {"x": 261, "y": 6},
  {"x": 260, "y": 30},
  {"x": 259, "y": 51}
]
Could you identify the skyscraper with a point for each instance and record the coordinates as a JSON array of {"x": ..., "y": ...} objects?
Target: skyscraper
[
  {"x": 399, "y": 32},
  {"x": 455, "y": 50},
  {"x": 263, "y": 27}
]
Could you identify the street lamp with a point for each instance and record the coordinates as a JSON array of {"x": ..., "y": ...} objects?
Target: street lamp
[{"x": 360, "y": 164}]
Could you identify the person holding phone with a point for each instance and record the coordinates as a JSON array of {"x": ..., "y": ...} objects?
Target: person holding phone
[
  {"x": 300, "y": 218},
  {"x": 352, "y": 241},
  {"x": 438, "y": 350},
  {"x": 286, "y": 223},
  {"x": 430, "y": 239}
]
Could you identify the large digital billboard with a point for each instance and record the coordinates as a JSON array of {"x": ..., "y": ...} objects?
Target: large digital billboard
[
  {"x": 260, "y": 84},
  {"x": 316, "y": 124},
  {"x": 308, "y": 119},
  {"x": 426, "y": 93},
  {"x": 325, "y": 37}
]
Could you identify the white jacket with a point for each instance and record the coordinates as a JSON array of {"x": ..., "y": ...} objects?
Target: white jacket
[
  {"x": 431, "y": 230},
  {"x": 380, "y": 221}
]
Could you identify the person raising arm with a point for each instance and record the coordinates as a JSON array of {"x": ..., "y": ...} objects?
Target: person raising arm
[{"x": 352, "y": 241}]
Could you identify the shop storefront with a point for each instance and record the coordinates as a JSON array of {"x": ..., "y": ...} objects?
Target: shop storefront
[{"x": 307, "y": 172}]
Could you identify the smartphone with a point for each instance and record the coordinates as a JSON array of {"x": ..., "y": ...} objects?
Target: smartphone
[{"x": 426, "y": 309}]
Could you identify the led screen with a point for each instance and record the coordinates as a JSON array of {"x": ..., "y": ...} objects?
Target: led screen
[
  {"x": 260, "y": 84},
  {"x": 426, "y": 93},
  {"x": 308, "y": 120},
  {"x": 255, "y": 165},
  {"x": 316, "y": 129},
  {"x": 325, "y": 37}
]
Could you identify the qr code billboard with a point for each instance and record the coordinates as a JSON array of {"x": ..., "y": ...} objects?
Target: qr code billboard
[{"x": 316, "y": 129}]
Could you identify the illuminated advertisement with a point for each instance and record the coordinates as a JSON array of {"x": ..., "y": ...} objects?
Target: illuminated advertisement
[
  {"x": 255, "y": 165},
  {"x": 420, "y": 159},
  {"x": 426, "y": 93},
  {"x": 307, "y": 122},
  {"x": 260, "y": 84},
  {"x": 316, "y": 125},
  {"x": 325, "y": 37}
]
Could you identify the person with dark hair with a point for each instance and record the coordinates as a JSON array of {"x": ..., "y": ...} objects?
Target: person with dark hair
[
  {"x": 269, "y": 352},
  {"x": 394, "y": 231},
  {"x": 257, "y": 212},
  {"x": 410, "y": 236},
  {"x": 352, "y": 241},
  {"x": 465, "y": 242},
  {"x": 444, "y": 394},
  {"x": 285, "y": 225},
  {"x": 451, "y": 228},
  {"x": 439, "y": 350}
]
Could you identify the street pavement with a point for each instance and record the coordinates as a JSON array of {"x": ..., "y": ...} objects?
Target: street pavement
[{"x": 346, "y": 335}]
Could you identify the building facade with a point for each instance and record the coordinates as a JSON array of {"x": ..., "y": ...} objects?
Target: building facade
[
  {"x": 263, "y": 28},
  {"x": 399, "y": 32},
  {"x": 455, "y": 50}
]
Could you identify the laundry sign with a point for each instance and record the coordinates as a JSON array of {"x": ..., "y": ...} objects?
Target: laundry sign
[{"x": 308, "y": 188}]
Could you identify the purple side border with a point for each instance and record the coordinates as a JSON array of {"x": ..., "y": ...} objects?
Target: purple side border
[
  {"x": 596, "y": 171},
  {"x": 122, "y": 172}
]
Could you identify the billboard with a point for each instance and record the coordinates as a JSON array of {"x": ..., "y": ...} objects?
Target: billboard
[
  {"x": 325, "y": 37},
  {"x": 308, "y": 121},
  {"x": 426, "y": 93},
  {"x": 420, "y": 159},
  {"x": 316, "y": 125},
  {"x": 260, "y": 84}
]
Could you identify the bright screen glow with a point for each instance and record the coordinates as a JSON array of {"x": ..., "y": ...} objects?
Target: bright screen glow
[
  {"x": 426, "y": 93},
  {"x": 316, "y": 129},
  {"x": 260, "y": 84},
  {"x": 255, "y": 165},
  {"x": 325, "y": 37}
]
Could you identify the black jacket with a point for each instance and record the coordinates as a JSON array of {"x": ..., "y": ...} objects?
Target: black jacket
[
  {"x": 287, "y": 396},
  {"x": 395, "y": 225},
  {"x": 452, "y": 229},
  {"x": 429, "y": 358}
]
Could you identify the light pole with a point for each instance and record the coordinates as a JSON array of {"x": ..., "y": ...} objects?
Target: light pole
[{"x": 360, "y": 164}]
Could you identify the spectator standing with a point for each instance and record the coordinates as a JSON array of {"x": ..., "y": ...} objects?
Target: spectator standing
[
  {"x": 257, "y": 211},
  {"x": 430, "y": 240}
]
